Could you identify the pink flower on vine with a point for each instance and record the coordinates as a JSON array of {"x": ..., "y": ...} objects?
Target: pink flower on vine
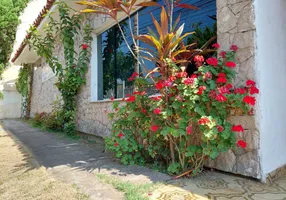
[{"x": 84, "y": 46}]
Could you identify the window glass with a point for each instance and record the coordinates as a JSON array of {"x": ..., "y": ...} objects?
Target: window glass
[{"x": 116, "y": 63}]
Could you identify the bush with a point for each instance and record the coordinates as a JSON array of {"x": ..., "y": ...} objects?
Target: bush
[
  {"x": 39, "y": 118},
  {"x": 53, "y": 121},
  {"x": 186, "y": 123}
]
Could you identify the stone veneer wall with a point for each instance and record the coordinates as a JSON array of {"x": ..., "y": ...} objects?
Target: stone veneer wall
[
  {"x": 235, "y": 26},
  {"x": 43, "y": 93},
  {"x": 92, "y": 117},
  {"x": 235, "y": 23}
]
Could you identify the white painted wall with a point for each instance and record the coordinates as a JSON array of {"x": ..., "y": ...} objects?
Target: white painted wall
[
  {"x": 10, "y": 106},
  {"x": 271, "y": 77}
]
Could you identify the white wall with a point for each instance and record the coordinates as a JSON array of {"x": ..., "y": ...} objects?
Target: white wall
[
  {"x": 271, "y": 77},
  {"x": 10, "y": 106}
]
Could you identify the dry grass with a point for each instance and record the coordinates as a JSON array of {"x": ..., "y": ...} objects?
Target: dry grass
[{"x": 22, "y": 179}]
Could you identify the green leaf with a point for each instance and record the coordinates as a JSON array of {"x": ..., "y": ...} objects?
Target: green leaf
[
  {"x": 200, "y": 110},
  {"x": 214, "y": 153}
]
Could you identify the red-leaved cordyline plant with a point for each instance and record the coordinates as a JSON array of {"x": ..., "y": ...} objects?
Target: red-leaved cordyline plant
[{"x": 186, "y": 122}]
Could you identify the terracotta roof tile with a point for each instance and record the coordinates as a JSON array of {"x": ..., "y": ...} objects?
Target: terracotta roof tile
[{"x": 36, "y": 23}]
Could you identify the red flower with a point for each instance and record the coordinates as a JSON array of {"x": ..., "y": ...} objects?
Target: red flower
[
  {"x": 157, "y": 98},
  {"x": 199, "y": 58},
  {"x": 230, "y": 64},
  {"x": 116, "y": 144},
  {"x": 221, "y": 80},
  {"x": 239, "y": 91},
  {"x": 194, "y": 76},
  {"x": 250, "y": 83},
  {"x": 131, "y": 99},
  {"x": 201, "y": 89},
  {"x": 228, "y": 86},
  {"x": 143, "y": 110},
  {"x": 168, "y": 83},
  {"x": 219, "y": 128},
  {"x": 159, "y": 85},
  {"x": 221, "y": 98},
  {"x": 223, "y": 90},
  {"x": 212, "y": 94},
  {"x": 179, "y": 98},
  {"x": 212, "y": 61},
  {"x": 133, "y": 76},
  {"x": 137, "y": 92},
  {"x": 208, "y": 75},
  {"x": 216, "y": 46},
  {"x": 189, "y": 130},
  {"x": 189, "y": 81},
  {"x": 157, "y": 111},
  {"x": 120, "y": 135},
  {"x": 204, "y": 121},
  {"x": 233, "y": 48},
  {"x": 172, "y": 78},
  {"x": 237, "y": 128},
  {"x": 249, "y": 100},
  {"x": 241, "y": 143},
  {"x": 221, "y": 75},
  {"x": 253, "y": 90},
  {"x": 154, "y": 128},
  {"x": 182, "y": 74},
  {"x": 222, "y": 54},
  {"x": 111, "y": 98},
  {"x": 84, "y": 46}
]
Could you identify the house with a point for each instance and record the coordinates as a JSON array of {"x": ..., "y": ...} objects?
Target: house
[{"x": 257, "y": 27}]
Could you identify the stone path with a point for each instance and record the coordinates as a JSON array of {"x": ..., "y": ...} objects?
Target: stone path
[
  {"x": 75, "y": 162},
  {"x": 220, "y": 186}
]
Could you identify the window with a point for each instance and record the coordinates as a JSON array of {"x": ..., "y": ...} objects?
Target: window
[{"x": 116, "y": 63}]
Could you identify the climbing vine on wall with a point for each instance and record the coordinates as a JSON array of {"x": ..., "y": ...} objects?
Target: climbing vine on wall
[
  {"x": 23, "y": 85},
  {"x": 70, "y": 72}
]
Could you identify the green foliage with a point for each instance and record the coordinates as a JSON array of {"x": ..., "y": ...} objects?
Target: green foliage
[
  {"x": 131, "y": 191},
  {"x": 22, "y": 83},
  {"x": 201, "y": 37},
  {"x": 71, "y": 74},
  {"x": 186, "y": 124},
  {"x": 9, "y": 13}
]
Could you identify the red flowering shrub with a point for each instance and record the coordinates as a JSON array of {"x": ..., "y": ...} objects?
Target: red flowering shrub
[{"x": 187, "y": 122}]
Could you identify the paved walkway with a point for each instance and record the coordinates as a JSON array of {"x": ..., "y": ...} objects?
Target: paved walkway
[{"x": 75, "y": 162}]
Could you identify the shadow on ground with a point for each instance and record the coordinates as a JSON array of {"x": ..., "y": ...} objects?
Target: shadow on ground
[{"x": 51, "y": 150}]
